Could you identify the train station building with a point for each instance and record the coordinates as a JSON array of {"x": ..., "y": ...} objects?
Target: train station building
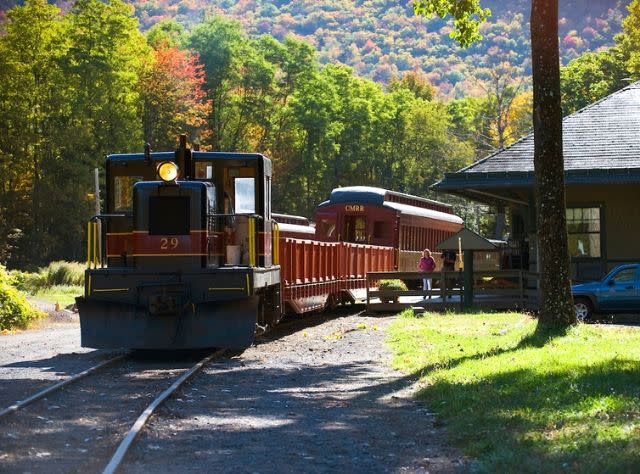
[{"x": 602, "y": 178}]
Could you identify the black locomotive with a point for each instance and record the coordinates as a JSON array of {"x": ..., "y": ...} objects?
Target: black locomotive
[{"x": 185, "y": 255}]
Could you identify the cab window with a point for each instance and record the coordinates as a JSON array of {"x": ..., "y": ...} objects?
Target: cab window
[
  {"x": 204, "y": 170},
  {"x": 245, "y": 192},
  {"x": 123, "y": 192},
  {"x": 327, "y": 228}
]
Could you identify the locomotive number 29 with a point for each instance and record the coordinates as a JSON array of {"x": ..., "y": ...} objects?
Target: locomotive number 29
[{"x": 168, "y": 244}]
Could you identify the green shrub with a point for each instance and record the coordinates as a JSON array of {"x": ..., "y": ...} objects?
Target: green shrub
[
  {"x": 398, "y": 285},
  {"x": 63, "y": 273},
  {"x": 25, "y": 281},
  {"x": 15, "y": 310}
]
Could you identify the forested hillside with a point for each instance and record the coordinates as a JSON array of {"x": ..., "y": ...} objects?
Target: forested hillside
[{"x": 382, "y": 38}]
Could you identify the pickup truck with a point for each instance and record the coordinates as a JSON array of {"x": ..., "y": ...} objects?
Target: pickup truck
[{"x": 617, "y": 292}]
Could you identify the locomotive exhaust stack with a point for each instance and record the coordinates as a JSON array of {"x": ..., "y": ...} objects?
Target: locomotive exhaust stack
[{"x": 183, "y": 159}]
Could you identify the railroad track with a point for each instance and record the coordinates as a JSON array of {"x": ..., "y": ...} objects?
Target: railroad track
[
  {"x": 34, "y": 432},
  {"x": 54, "y": 388}
]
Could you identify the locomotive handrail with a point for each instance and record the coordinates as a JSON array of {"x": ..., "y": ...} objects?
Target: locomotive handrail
[
  {"x": 247, "y": 214},
  {"x": 276, "y": 243},
  {"x": 108, "y": 216},
  {"x": 94, "y": 240},
  {"x": 92, "y": 243}
]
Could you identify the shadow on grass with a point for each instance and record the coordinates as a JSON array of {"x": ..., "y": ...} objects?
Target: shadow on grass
[
  {"x": 537, "y": 339},
  {"x": 582, "y": 418},
  {"x": 542, "y": 336}
]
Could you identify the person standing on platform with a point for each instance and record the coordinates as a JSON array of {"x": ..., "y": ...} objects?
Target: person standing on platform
[
  {"x": 448, "y": 265},
  {"x": 427, "y": 265}
]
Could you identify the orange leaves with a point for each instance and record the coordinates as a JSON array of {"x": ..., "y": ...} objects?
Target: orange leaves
[{"x": 174, "y": 96}]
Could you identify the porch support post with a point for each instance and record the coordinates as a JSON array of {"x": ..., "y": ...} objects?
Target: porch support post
[{"x": 468, "y": 279}]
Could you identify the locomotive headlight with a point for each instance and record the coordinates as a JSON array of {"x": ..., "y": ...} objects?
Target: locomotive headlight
[{"x": 168, "y": 171}]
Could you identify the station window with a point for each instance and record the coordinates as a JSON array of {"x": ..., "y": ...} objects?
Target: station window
[
  {"x": 583, "y": 226},
  {"x": 123, "y": 192}
]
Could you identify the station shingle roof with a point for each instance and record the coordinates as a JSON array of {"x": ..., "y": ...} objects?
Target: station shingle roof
[{"x": 603, "y": 136}]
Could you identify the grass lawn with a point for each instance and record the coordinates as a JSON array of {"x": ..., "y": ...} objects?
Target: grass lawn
[
  {"x": 518, "y": 401},
  {"x": 63, "y": 294}
]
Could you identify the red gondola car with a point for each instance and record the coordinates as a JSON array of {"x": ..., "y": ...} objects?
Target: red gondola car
[{"x": 296, "y": 227}]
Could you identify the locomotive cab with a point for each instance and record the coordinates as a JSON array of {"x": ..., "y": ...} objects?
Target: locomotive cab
[{"x": 189, "y": 259}]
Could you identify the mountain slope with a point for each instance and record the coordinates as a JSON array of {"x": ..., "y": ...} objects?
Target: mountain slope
[{"x": 382, "y": 38}]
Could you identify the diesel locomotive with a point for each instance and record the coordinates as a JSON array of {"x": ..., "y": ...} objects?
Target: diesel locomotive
[{"x": 185, "y": 255}]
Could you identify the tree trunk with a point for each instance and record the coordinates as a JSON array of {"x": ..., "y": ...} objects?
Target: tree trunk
[{"x": 556, "y": 308}]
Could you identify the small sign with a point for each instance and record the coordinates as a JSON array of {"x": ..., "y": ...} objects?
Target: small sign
[{"x": 354, "y": 208}]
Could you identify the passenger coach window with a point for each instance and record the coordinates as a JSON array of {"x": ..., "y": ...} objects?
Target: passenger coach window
[
  {"x": 123, "y": 192},
  {"x": 360, "y": 230},
  {"x": 245, "y": 190},
  {"x": 381, "y": 230}
]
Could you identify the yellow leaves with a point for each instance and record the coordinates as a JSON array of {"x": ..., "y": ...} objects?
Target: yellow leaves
[
  {"x": 337, "y": 335},
  {"x": 334, "y": 336}
]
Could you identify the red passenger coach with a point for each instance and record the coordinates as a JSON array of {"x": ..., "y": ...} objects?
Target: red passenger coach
[{"x": 368, "y": 215}]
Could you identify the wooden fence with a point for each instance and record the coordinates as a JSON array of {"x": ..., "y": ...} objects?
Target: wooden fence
[{"x": 505, "y": 289}]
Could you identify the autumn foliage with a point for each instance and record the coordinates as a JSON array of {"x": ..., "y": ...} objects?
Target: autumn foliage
[{"x": 173, "y": 97}]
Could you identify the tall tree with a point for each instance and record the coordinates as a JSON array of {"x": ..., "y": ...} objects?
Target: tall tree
[
  {"x": 32, "y": 116},
  {"x": 104, "y": 65},
  {"x": 556, "y": 309},
  {"x": 501, "y": 87},
  {"x": 629, "y": 39},
  {"x": 173, "y": 99},
  {"x": 220, "y": 43},
  {"x": 590, "y": 77}
]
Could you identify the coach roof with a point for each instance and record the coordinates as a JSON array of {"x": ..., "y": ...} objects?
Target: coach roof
[
  {"x": 378, "y": 197},
  {"x": 372, "y": 195}
]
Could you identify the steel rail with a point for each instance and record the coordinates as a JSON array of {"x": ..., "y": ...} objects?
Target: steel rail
[
  {"x": 74, "y": 378},
  {"x": 131, "y": 435}
]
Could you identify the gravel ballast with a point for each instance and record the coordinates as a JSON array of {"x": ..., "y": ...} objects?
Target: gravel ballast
[
  {"x": 316, "y": 396},
  {"x": 321, "y": 399}
]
